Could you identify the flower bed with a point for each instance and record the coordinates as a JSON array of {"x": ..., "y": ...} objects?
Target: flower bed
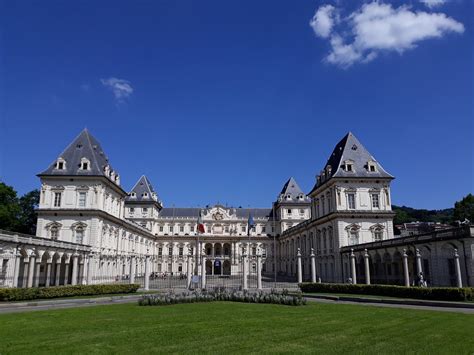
[{"x": 223, "y": 295}]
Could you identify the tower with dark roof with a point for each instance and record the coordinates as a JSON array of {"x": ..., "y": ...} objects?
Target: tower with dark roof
[
  {"x": 142, "y": 204},
  {"x": 81, "y": 199},
  {"x": 350, "y": 204},
  {"x": 292, "y": 206}
]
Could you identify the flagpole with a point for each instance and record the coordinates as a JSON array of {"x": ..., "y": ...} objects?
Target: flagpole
[{"x": 274, "y": 248}]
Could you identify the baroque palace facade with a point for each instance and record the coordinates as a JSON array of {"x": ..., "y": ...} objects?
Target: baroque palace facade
[{"x": 90, "y": 230}]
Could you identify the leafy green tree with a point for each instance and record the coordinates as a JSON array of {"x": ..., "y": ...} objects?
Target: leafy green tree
[
  {"x": 464, "y": 209},
  {"x": 9, "y": 208},
  {"x": 27, "y": 218}
]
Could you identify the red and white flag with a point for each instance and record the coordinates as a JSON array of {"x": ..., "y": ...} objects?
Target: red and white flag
[{"x": 200, "y": 225}]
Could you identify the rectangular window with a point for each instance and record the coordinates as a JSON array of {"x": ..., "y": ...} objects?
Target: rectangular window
[
  {"x": 264, "y": 229},
  {"x": 82, "y": 199},
  {"x": 171, "y": 229},
  {"x": 351, "y": 201},
  {"x": 192, "y": 228},
  {"x": 301, "y": 211},
  {"x": 57, "y": 199},
  {"x": 170, "y": 251},
  {"x": 180, "y": 251},
  {"x": 289, "y": 211},
  {"x": 181, "y": 228},
  {"x": 375, "y": 201},
  {"x": 132, "y": 210},
  {"x": 160, "y": 251},
  {"x": 244, "y": 229},
  {"x": 161, "y": 228}
]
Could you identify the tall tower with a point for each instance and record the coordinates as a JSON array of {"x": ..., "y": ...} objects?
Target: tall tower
[{"x": 350, "y": 203}]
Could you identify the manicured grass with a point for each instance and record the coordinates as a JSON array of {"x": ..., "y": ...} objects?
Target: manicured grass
[{"x": 222, "y": 327}]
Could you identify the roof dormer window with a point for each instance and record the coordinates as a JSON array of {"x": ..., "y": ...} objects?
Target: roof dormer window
[
  {"x": 133, "y": 194},
  {"x": 371, "y": 167},
  {"x": 61, "y": 164},
  {"x": 145, "y": 194},
  {"x": 85, "y": 164},
  {"x": 349, "y": 166}
]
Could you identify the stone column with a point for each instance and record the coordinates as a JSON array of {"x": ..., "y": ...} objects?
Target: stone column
[
  {"x": 405, "y": 268},
  {"x": 259, "y": 271},
  {"x": 39, "y": 257},
  {"x": 47, "y": 282},
  {"x": 313, "y": 266},
  {"x": 244, "y": 270},
  {"x": 299, "y": 269},
  {"x": 74, "y": 269},
  {"x": 132, "y": 269},
  {"x": 419, "y": 268},
  {"x": 31, "y": 271},
  {"x": 58, "y": 269},
  {"x": 147, "y": 272},
  {"x": 203, "y": 271},
  {"x": 16, "y": 272},
  {"x": 80, "y": 274},
  {"x": 85, "y": 260},
  {"x": 189, "y": 269},
  {"x": 353, "y": 268},
  {"x": 66, "y": 268},
  {"x": 26, "y": 267},
  {"x": 90, "y": 269},
  {"x": 367, "y": 267},
  {"x": 457, "y": 268}
]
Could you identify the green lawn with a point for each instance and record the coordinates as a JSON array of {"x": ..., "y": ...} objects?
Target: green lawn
[{"x": 236, "y": 328}]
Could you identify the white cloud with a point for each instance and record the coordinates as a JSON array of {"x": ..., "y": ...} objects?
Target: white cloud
[
  {"x": 377, "y": 27},
  {"x": 324, "y": 20},
  {"x": 121, "y": 88},
  {"x": 433, "y": 3}
]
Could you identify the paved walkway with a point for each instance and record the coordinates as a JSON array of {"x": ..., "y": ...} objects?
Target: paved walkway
[
  {"x": 16, "y": 307},
  {"x": 391, "y": 305}
]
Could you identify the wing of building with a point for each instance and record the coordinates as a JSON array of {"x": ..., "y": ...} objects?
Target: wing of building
[{"x": 90, "y": 230}]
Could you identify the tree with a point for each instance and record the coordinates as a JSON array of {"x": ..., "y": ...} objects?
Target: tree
[
  {"x": 464, "y": 209},
  {"x": 18, "y": 214},
  {"x": 27, "y": 218},
  {"x": 9, "y": 208}
]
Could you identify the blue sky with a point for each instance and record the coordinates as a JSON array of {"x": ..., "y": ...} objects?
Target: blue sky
[{"x": 223, "y": 101}]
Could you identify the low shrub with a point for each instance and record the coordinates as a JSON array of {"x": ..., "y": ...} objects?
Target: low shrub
[
  {"x": 222, "y": 295},
  {"x": 426, "y": 293},
  {"x": 23, "y": 294}
]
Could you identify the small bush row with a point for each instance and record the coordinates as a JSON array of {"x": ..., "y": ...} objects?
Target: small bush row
[
  {"x": 426, "y": 293},
  {"x": 23, "y": 294},
  {"x": 222, "y": 295}
]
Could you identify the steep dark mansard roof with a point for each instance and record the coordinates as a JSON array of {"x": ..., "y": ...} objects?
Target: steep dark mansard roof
[
  {"x": 83, "y": 146},
  {"x": 142, "y": 187},
  {"x": 349, "y": 148},
  {"x": 179, "y": 212},
  {"x": 292, "y": 189}
]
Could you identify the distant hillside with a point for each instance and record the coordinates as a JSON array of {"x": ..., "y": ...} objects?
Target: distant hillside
[{"x": 406, "y": 214}]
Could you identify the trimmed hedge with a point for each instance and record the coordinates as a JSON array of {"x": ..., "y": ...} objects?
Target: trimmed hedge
[
  {"x": 23, "y": 294},
  {"x": 426, "y": 293}
]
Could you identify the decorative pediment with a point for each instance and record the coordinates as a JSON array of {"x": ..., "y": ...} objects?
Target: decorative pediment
[
  {"x": 377, "y": 226},
  {"x": 53, "y": 225},
  {"x": 78, "y": 225},
  {"x": 218, "y": 213},
  {"x": 352, "y": 226}
]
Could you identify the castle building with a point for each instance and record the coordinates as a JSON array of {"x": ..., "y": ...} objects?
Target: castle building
[{"x": 90, "y": 230}]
